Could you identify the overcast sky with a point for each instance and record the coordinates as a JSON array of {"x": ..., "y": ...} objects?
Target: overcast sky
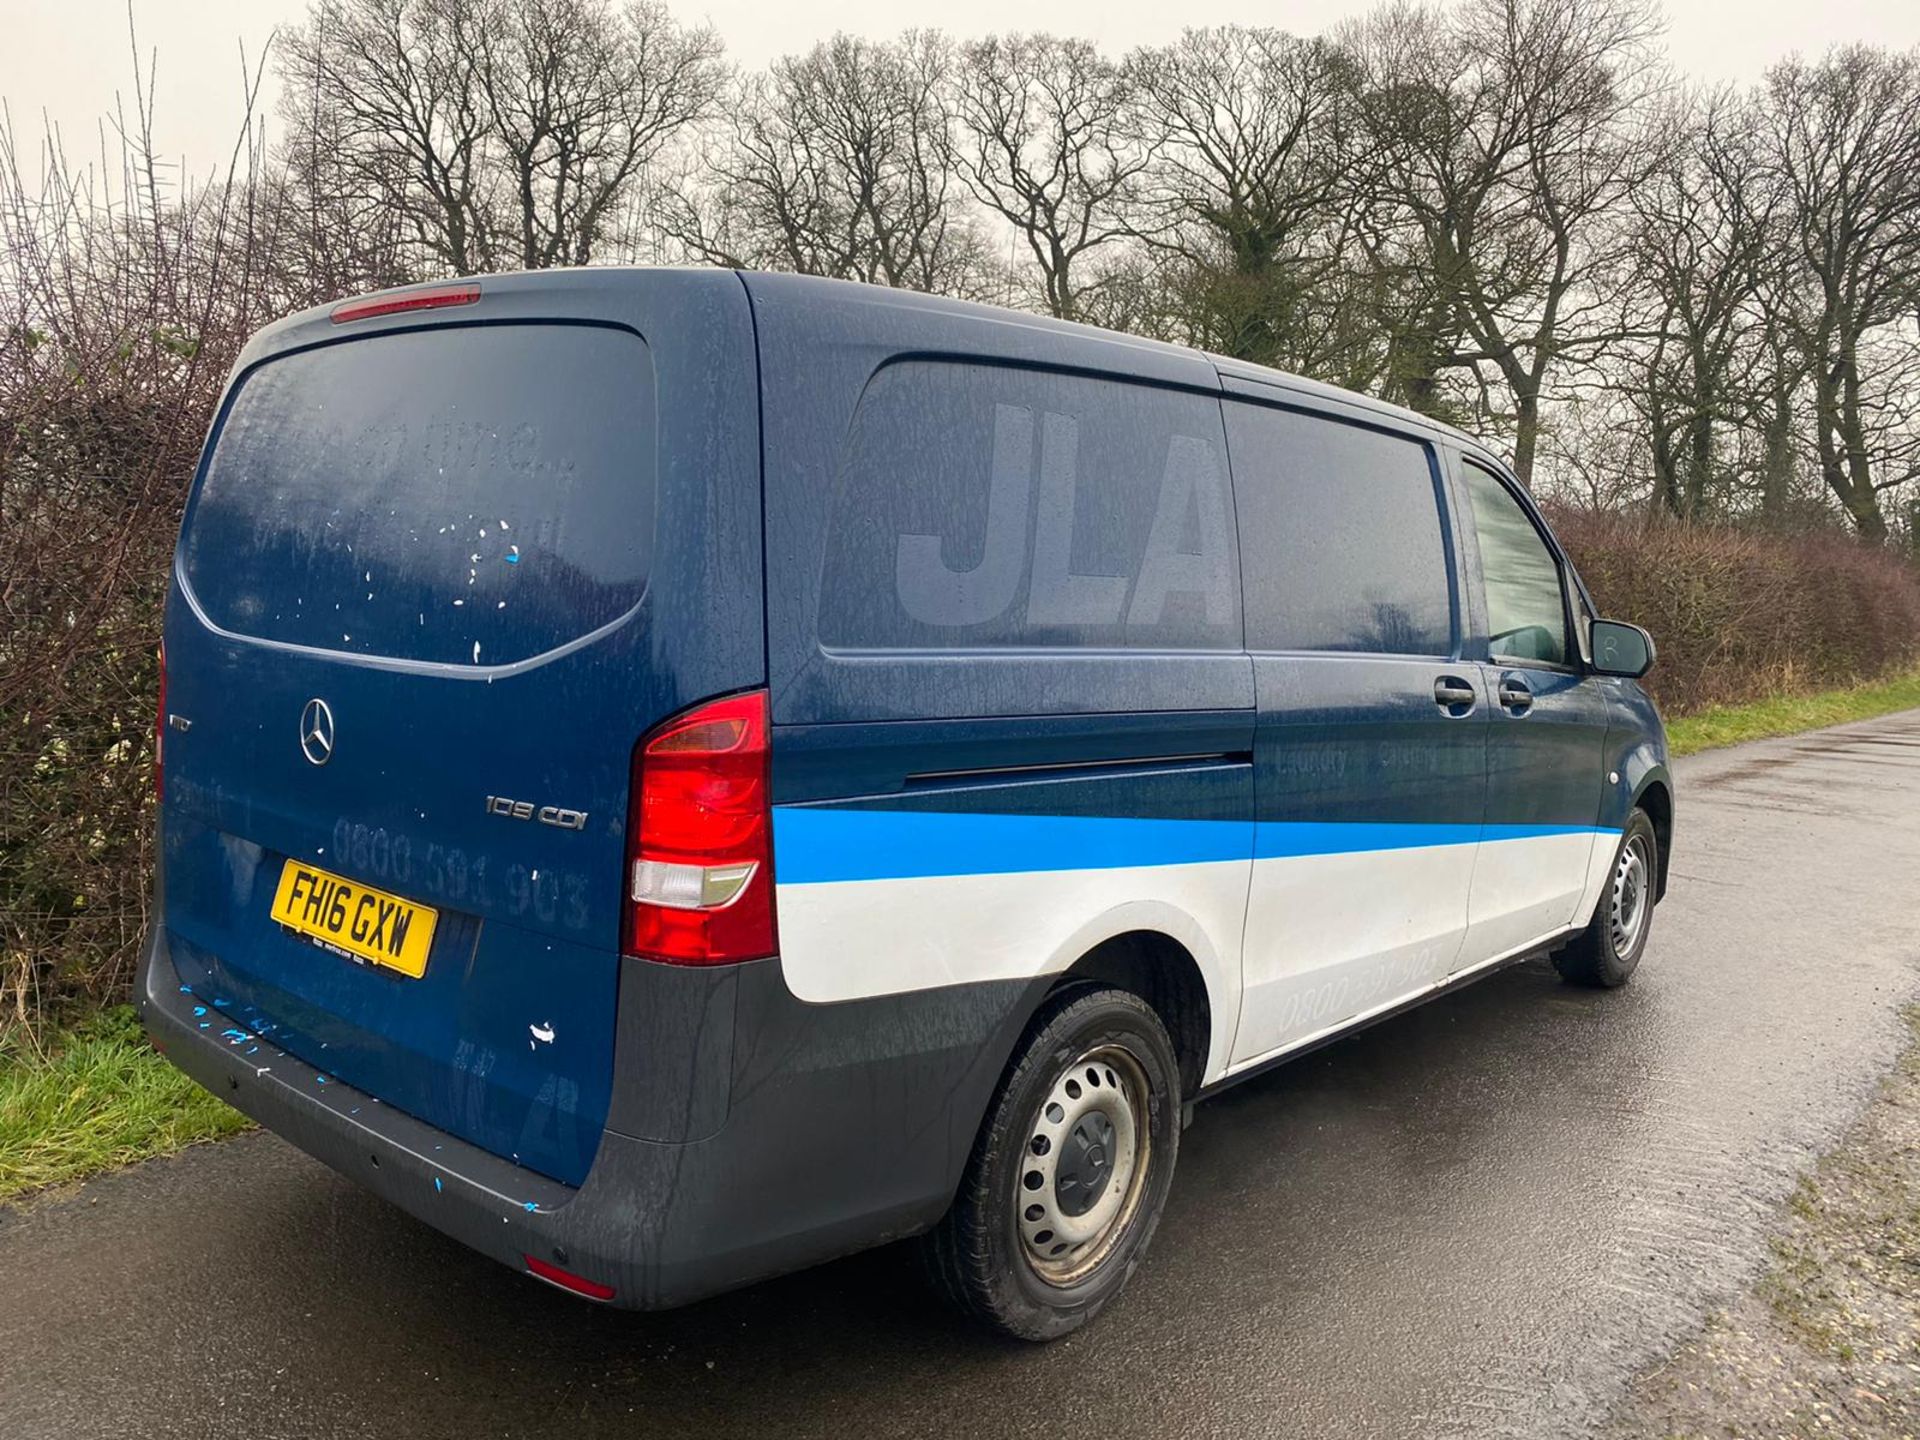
[{"x": 67, "y": 59}]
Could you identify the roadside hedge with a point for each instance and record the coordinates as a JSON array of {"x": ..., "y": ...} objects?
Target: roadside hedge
[{"x": 1741, "y": 615}]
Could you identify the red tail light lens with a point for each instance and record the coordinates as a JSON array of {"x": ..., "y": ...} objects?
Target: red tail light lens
[
  {"x": 700, "y": 838},
  {"x": 160, "y": 733},
  {"x": 427, "y": 297}
]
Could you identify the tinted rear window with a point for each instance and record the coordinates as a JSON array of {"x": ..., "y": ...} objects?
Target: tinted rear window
[
  {"x": 1340, "y": 536},
  {"x": 983, "y": 506},
  {"x": 469, "y": 495}
]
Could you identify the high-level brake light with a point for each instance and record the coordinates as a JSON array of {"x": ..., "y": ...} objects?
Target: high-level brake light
[{"x": 427, "y": 297}]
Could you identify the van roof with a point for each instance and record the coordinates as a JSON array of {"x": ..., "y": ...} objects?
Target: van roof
[
  {"x": 1227, "y": 366},
  {"x": 908, "y": 302}
]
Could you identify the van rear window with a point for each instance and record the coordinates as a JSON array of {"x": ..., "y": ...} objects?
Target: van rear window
[
  {"x": 1341, "y": 528},
  {"x": 470, "y": 495},
  {"x": 994, "y": 507}
]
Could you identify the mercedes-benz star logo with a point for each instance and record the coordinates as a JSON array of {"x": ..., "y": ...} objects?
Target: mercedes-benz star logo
[{"x": 316, "y": 732}]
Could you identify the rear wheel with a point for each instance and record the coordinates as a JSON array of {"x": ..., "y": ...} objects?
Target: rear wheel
[
  {"x": 1066, "y": 1181},
  {"x": 1608, "y": 951}
]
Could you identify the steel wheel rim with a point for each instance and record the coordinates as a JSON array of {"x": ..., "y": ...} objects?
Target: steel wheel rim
[
  {"x": 1627, "y": 900},
  {"x": 1069, "y": 1227}
]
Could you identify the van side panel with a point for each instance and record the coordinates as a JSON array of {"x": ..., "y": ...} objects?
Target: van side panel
[
  {"x": 1016, "y": 872},
  {"x": 1012, "y": 712}
]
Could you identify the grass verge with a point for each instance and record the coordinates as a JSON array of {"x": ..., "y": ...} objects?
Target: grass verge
[
  {"x": 99, "y": 1097},
  {"x": 1791, "y": 714}
]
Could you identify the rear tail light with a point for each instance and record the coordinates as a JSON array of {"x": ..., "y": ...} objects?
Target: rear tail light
[
  {"x": 567, "y": 1280},
  {"x": 427, "y": 297},
  {"x": 160, "y": 733},
  {"x": 700, "y": 838}
]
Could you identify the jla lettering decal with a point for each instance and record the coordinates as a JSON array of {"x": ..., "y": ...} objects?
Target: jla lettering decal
[{"x": 1189, "y": 549}]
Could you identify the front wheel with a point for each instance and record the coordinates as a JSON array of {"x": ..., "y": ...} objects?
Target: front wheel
[
  {"x": 1608, "y": 951},
  {"x": 1066, "y": 1181}
]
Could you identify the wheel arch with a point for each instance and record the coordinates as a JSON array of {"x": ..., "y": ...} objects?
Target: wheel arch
[
  {"x": 1655, "y": 796},
  {"x": 1163, "y": 972}
]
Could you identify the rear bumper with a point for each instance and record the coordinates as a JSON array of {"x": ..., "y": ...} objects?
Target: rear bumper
[{"x": 823, "y": 1129}]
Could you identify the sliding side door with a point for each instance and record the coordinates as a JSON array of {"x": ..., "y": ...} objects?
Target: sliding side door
[{"x": 1370, "y": 742}]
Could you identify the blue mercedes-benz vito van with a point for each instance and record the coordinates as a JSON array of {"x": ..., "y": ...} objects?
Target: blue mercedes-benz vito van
[{"x": 673, "y": 776}]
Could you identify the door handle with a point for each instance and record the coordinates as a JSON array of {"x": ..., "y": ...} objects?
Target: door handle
[
  {"x": 1453, "y": 695},
  {"x": 1514, "y": 694}
]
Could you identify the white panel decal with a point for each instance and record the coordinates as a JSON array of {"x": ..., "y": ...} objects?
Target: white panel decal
[
  {"x": 1526, "y": 888},
  {"x": 1330, "y": 936},
  {"x": 851, "y": 939}
]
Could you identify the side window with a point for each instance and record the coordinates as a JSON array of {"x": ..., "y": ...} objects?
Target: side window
[
  {"x": 1526, "y": 604},
  {"x": 1340, "y": 536},
  {"x": 993, "y": 507}
]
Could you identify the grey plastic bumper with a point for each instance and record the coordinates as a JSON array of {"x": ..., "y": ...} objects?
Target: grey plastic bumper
[{"x": 837, "y": 1128}]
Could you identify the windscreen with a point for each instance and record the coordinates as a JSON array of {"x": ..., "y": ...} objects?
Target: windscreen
[{"x": 471, "y": 495}]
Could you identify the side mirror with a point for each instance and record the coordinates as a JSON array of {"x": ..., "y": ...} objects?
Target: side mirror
[{"x": 1621, "y": 649}]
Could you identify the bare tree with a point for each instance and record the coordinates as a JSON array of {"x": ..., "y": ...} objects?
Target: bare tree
[
  {"x": 1701, "y": 246},
  {"x": 348, "y": 236},
  {"x": 581, "y": 100},
  {"x": 1043, "y": 149},
  {"x": 1843, "y": 138},
  {"x": 384, "y": 98},
  {"x": 1780, "y": 371},
  {"x": 1247, "y": 135},
  {"x": 1506, "y": 134},
  {"x": 838, "y": 163},
  {"x": 501, "y": 132}
]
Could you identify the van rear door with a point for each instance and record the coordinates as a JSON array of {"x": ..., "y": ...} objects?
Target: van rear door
[{"x": 439, "y": 572}]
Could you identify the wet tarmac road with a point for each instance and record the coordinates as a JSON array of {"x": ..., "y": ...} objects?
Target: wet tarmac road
[{"x": 1477, "y": 1219}]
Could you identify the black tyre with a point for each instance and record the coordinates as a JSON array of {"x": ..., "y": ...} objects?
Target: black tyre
[
  {"x": 1067, "y": 1179},
  {"x": 1608, "y": 951}
]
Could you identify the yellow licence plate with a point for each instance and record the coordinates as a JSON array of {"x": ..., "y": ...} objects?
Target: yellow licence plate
[{"x": 355, "y": 920}]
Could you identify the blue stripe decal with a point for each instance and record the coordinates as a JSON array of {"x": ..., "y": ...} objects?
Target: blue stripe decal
[
  {"x": 1283, "y": 839},
  {"x": 814, "y": 845}
]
